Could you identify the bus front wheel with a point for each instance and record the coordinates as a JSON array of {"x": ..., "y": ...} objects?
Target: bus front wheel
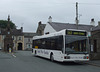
[{"x": 51, "y": 57}]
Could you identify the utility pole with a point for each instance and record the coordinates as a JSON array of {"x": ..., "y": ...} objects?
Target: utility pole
[{"x": 77, "y": 14}]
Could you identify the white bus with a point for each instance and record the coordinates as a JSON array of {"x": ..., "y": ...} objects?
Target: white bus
[{"x": 62, "y": 46}]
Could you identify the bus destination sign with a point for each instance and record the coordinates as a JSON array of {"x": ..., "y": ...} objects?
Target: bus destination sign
[{"x": 80, "y": 33}]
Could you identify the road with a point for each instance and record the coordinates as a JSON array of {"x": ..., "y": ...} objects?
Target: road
[{"x": 23, "y": 61}]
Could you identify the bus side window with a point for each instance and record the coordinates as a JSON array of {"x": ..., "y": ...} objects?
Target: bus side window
[
  {"x": 43, "y": 43},
  {"x": 34, "y": 43},
  {"x": 57, "y": 43},
  {"x": 60, "y": 43}
]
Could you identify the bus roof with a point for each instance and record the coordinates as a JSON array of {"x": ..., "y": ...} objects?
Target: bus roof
[{"x": 62, "y": 32}]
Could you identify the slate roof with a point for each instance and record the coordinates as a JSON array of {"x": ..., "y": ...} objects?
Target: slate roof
[
  {"x": 60, "y": 26},
  {"x": 16, "y": 32},
  {"x": 96, "y": 28},
  {"x": 28, "y": 34}
]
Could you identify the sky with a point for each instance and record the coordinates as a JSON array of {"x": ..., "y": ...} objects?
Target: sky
[{"x": 27, "y": 13}]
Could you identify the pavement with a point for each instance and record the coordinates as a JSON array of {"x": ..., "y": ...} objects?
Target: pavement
[{"x": 94, "y": 62}]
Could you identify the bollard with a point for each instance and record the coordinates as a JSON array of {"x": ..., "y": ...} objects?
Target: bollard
[{"x": 9, "y": 50}]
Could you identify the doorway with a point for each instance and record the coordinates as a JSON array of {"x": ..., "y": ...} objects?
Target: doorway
[
  {"x": 8, "y": 47},
  {"x": 95, "y": 46},
  {"x": 19, "y": 46}
]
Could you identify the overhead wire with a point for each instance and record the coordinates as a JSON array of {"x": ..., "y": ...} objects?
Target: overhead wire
[{"x": 90, "y": 3}]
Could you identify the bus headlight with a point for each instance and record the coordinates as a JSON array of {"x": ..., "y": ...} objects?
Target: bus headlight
[{"x": 66, "y": 57}]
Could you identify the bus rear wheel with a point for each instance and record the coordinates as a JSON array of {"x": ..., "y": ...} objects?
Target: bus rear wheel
[{"x": 51, "y": 57}]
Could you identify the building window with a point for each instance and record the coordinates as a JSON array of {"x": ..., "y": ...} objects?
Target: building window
[
  {"x": 4, "y": 37},
  {"x": 8, "y": 32},
  {"x": 13, "y": 37},
  {"x": 28, "y": 46},
  {"x": 20, "y": 38},
  {"x": 29, "y": 40},
  {"x": 47, "y": 33}
]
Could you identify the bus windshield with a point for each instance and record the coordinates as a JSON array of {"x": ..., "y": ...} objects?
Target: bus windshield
[{"x": 75, "y": 44}]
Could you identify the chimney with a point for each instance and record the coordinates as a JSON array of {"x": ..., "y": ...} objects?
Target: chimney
[
  {"x": 92, "y": 22},
  {"x": 98, "y": 23},
  {"x": 39, "y": 23},
  {"x": 22, "y": 29},
  {"x": 50, "y": 19}
]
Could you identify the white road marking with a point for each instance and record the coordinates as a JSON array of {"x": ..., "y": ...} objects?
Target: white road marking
[{"x": 13, "y": 55}]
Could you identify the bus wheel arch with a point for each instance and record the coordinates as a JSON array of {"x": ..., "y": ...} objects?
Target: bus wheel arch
[
  {"x": 35, "y": 52},
  {"x": 51, "y": 56}
]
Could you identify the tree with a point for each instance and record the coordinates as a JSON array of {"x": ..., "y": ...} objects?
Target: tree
[{"x": 3, "y": 24}]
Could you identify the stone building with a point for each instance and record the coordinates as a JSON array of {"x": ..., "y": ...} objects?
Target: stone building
[
  {"x": 13, "y": 38},
  {"x": 95, "y": 42},
  {"x": 40, "y": 29},
  {"x": 28, "y": 40},
  {"x": 17, "y": 37}
]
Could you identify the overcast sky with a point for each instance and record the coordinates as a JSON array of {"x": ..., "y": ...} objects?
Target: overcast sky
[{"x": 28, "y": 13}]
